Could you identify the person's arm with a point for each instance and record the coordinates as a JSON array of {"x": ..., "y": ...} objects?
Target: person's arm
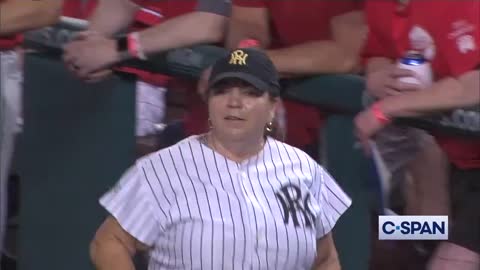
[
  {"x": 350, "y": 31},
  {"x": 333, "y": 203},
  {"x": 446, "y": 94},
  {"x": 462, "y": 88},
  {"x": 196, "y": 27},
  {"x": 113, "y": 248},
  {"x": 18, "y": 16},
  {"x": 318, "y": 57},
  {"x": 375, "y": 64},
  {"x": 383, "y": 78},
  {"x": 112, "y": 16},
  {"x": 250, "y": 22},
  {"x": 132, "y": 225},
  {"x": 338, "y": 55},
  {"x": 97, "y": 52},
  {"x": 327, "y": 258},
  {"x": 207, "y": 24}
]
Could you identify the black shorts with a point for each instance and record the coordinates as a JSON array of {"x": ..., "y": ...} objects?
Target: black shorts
[{"x": 465, "y": 196}]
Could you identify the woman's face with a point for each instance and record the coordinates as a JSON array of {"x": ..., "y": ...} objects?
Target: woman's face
[{"x": 239, "y": 111}]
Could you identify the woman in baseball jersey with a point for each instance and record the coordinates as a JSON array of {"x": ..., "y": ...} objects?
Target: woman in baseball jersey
[{"x": 233, "y": 198}]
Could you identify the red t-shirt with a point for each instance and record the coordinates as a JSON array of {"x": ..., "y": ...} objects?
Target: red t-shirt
[
  {"x": 448, "y": 33},
  {"x": 9, "y": 42},
  {"x": 293, "y": 23}
]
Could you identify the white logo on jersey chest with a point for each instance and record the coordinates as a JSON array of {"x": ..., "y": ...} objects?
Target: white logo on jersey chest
[
  {"x": 461, "y": 32},
  {"x": 422, "y": 41}
]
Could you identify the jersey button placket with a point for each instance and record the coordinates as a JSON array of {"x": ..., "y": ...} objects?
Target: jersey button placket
[
  {"x": 246, "y": 186},
  {"x": 250, "y": 237},
  {"x": 260, "y": 237}
]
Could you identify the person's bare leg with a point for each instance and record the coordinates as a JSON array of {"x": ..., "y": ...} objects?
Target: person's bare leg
[
  {"x": 429, "y": 181},
  {"x": 449, "y": 256},
  {"x": 411, "y": 197}
]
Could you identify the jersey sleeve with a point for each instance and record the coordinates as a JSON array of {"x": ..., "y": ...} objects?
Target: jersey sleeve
[
  {"x": 461, "y": 46},
  {"x": 220, "y": 7},
  {"x": 331, "y": 199},
  {"x": 132, "y": 203}
]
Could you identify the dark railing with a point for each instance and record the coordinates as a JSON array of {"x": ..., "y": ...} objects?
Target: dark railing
[{"x": 189, "y": 62}]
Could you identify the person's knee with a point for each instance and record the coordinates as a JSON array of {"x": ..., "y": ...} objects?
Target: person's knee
[
  {"x": 430, "y": 158},
  {"x": 450, "y": 256},
  {"x": 431, "y": 150}
]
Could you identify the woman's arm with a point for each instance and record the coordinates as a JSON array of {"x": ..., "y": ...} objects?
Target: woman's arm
[
  {"x": 327, "y": 258},
  {"x": 113, "y": 248}
]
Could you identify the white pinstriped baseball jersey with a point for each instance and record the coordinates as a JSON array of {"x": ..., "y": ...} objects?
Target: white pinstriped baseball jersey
[{"x": 199, "y": 210}]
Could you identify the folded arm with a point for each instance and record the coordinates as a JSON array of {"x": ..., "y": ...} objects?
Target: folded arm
[
  {"x": 196, "y": 27},
  {"x": 337, "y": 55},
  {"x": 446, "y": 94},
  {"x": 112, "y": 16},
  {"x": 18, "y": 16}
]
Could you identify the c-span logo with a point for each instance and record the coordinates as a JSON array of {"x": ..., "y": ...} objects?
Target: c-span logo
[{"x": 413, "y": 227}]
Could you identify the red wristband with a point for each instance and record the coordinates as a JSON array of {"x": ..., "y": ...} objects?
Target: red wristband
[
  {"x": 133, "y": 45},
  {"x": 379, "y": 114},
  {"x": 248, "y": 43}
]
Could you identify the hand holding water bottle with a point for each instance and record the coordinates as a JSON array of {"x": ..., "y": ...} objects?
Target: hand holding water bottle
[
  {"x": 420, "y": 66},
  {"x": 388, "y": 82},
  {"x": 411, "y": 73}
]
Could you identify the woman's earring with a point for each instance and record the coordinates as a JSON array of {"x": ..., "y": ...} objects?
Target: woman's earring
[
  {"x": 210, "y": 125},
  {"x": 269, "y": 127}
]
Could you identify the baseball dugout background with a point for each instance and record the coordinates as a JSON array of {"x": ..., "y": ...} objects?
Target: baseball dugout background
[{"x": 78, "y": 139}]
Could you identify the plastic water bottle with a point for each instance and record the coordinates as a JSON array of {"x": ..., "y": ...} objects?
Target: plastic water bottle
[{"x": 416, "y": 62}]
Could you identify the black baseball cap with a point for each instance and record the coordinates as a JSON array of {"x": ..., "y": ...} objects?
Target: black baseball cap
[{"x": 250, "y": 65}]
